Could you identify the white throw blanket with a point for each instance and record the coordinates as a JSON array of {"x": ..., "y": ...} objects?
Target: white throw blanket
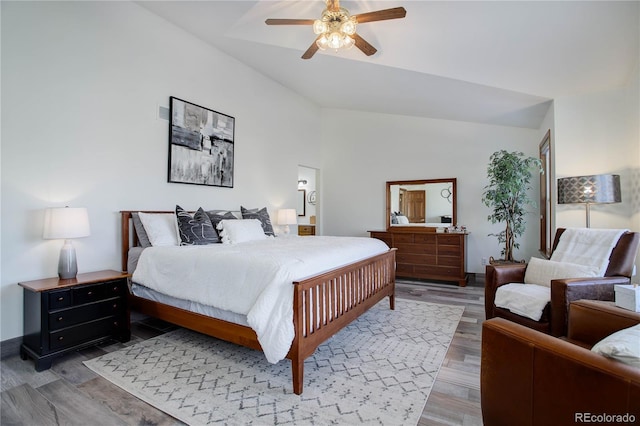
[
  {"x": 252, "y": 278},
  {"x": 528, "y": 300},
  {"x": 587, "y": 246}
]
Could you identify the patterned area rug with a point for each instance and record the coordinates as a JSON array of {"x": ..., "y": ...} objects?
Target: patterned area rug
[{"x": 378, "y": 370}]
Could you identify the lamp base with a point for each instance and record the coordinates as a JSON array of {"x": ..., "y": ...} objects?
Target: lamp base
[{"x": 67, "y": 264}]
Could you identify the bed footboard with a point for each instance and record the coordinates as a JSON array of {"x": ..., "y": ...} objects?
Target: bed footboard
[{"x": 324, "y": 304}]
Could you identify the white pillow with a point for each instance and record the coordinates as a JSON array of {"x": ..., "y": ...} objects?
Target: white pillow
[
  {"x": 161, "y": 228},
  {"x": 402, "y": 220},
  {"x": 241, "y": 230},
  {"x": 542, "y": 271},
  {"x": 623, "y": 345}
]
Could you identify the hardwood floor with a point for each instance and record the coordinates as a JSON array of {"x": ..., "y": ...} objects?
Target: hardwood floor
[{"x": 71, "y": 394}]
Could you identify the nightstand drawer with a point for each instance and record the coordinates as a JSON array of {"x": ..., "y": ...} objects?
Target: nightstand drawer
[
  {"x": 59, "y": 299},
  {"x": 88, "y": 293},
  {"x": 71, "y": 316},
  {"x": 82, "y": 333}
]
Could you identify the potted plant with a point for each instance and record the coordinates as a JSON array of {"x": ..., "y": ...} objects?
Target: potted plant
[{"x": 509, "y": 176}]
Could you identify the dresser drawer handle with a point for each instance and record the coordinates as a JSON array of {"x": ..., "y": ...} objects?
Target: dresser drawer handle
[
  {"x": 116, "y": 288},
  {"x": 89, "y": 293},
  {"x": 115, "y": 323},
  {"x": 60, "y": 299},
  {"x": 115, "y": 306},
  {"x": 61, "y": 338},
  {"x": 59, "y": 318}
]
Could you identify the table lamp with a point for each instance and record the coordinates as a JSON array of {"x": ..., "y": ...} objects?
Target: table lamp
[
  {"x": 287, "y": 217},
  {"x": 66, "y": 223}
]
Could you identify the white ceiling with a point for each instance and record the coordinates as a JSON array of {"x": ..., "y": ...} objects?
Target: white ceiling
[{"x": 495, "y": 62}]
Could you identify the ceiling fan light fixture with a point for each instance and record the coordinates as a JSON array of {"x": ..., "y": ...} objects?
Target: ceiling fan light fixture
[
  {"x": 336, "y": 40},
  {"x": 348, "y": 27},
  {"x": 348, "y": 42},
  {"x": 319, "y": 27},
  {"x": 322, "y": 42}
]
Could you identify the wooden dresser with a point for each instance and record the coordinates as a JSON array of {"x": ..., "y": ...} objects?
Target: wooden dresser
[{"x": 425, "y": 254}]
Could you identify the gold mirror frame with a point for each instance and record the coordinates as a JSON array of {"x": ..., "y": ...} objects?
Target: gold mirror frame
[{"x": 430, "y": 227}]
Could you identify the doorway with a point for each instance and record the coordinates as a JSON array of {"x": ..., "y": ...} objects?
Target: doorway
[{"x": 308, "y": 213}]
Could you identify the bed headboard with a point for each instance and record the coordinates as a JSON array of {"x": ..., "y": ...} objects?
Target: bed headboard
[{"x": 128, "y": 232}]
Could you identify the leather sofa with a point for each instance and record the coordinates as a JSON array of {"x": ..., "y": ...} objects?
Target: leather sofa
[
  {"x": 563, "y": 291},
  {"x": 529, "y": 378}
]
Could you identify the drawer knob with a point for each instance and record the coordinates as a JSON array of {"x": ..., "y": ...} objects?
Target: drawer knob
[
  {"x": 89, "y": 293},
  {"x": 115, "y": 323},
  {"x": 61, "y": 338},
  {"x": 60, "y": 299},
  {"x": 115, "y": 306},
  {"x": 59, "y": 318},
  {"x": 115, "y": 288}
]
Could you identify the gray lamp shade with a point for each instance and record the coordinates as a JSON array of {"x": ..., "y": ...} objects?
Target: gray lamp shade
[{"x": 589, "y": 189}]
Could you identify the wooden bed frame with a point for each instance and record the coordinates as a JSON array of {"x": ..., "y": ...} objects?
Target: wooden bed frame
[{"x": 341, "y": 295}]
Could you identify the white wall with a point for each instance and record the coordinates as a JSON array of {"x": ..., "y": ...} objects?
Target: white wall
[
  {"x": 599, "y": 133},
  {"x": 361, "y": 151},
  {"x": 81, "y": 83}
]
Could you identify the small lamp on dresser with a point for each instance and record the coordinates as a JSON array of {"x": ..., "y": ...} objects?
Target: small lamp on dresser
[
  {"x": 287, "y": 217},
  {"x": 66, "y": 223}
]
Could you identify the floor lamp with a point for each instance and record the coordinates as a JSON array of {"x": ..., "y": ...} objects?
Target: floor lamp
[{"x": 593, "y": 189}]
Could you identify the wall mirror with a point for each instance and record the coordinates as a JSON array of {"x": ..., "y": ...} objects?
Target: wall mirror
[
  {"x": 300, "y": 202},
  {"x": 421, "y": 203}
]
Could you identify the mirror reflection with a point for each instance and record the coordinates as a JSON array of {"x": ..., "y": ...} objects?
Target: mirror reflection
[{"x": 426, "y": 203}]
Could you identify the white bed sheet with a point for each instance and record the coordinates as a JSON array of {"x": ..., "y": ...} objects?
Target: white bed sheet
[
  {"x": 251, "y": 278},
  {"x": 187, "y": 305}
]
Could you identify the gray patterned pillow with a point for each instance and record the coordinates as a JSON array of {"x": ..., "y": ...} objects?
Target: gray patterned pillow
[
  {"x": 195, "y": 230},
  {"x": 262, "y": 215},
  {"x": 216, "y": 216},
  {"x": 143, "y": 238}
]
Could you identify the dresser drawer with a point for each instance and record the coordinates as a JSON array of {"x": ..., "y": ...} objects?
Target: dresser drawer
[
  {"x": 425, "y": 238},
  {"x": 72, "y": 316},
  {"x": 416, "y": 259},
  {"x": 416, "y": 249},
  {"x": 82, "y": 333},
  {"x": 402, "y": 238},
  {"x": 59, "y": 299},
  {"x": 451, "y": 240},
  {"x": 442, "y": 271}
]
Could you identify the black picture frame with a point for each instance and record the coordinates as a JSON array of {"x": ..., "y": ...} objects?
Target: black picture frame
[{"x": 201, "y": 145}]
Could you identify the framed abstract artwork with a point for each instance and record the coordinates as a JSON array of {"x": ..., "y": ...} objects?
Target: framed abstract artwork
[{"x": 201, "y": 145}]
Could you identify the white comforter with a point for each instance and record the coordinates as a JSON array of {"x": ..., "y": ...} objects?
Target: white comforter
[{"x": 251, "y": 278}]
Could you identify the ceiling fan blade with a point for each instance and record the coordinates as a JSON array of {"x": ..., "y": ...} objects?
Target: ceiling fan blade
[
  {"x": 364, "y": 45},
  {"x": 311, "y": 50},
  {"x": 382, "y": 15},
  {"x": 289, "y": 21}
]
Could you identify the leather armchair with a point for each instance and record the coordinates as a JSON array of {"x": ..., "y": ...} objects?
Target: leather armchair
[
  {"x": 530, "y": 378},
  {"x": 563, "y": 291}
]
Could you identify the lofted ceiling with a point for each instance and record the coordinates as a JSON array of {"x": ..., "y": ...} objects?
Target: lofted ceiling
[{"x": 493, "y": 62}]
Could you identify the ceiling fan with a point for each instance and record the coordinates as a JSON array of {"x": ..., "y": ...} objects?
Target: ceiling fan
[{"x": 336, "y": 28}]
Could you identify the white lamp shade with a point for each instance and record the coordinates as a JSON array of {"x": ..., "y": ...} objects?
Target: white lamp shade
[
  {"x": 66, "y": 223},
  {"x": 287, "y": 217}
]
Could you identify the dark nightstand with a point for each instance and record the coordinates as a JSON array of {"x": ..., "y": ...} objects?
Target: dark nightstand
[{"x": 61, "y": 316}]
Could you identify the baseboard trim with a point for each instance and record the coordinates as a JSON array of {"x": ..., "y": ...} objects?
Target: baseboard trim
[{"x": 10, "y": 347}]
